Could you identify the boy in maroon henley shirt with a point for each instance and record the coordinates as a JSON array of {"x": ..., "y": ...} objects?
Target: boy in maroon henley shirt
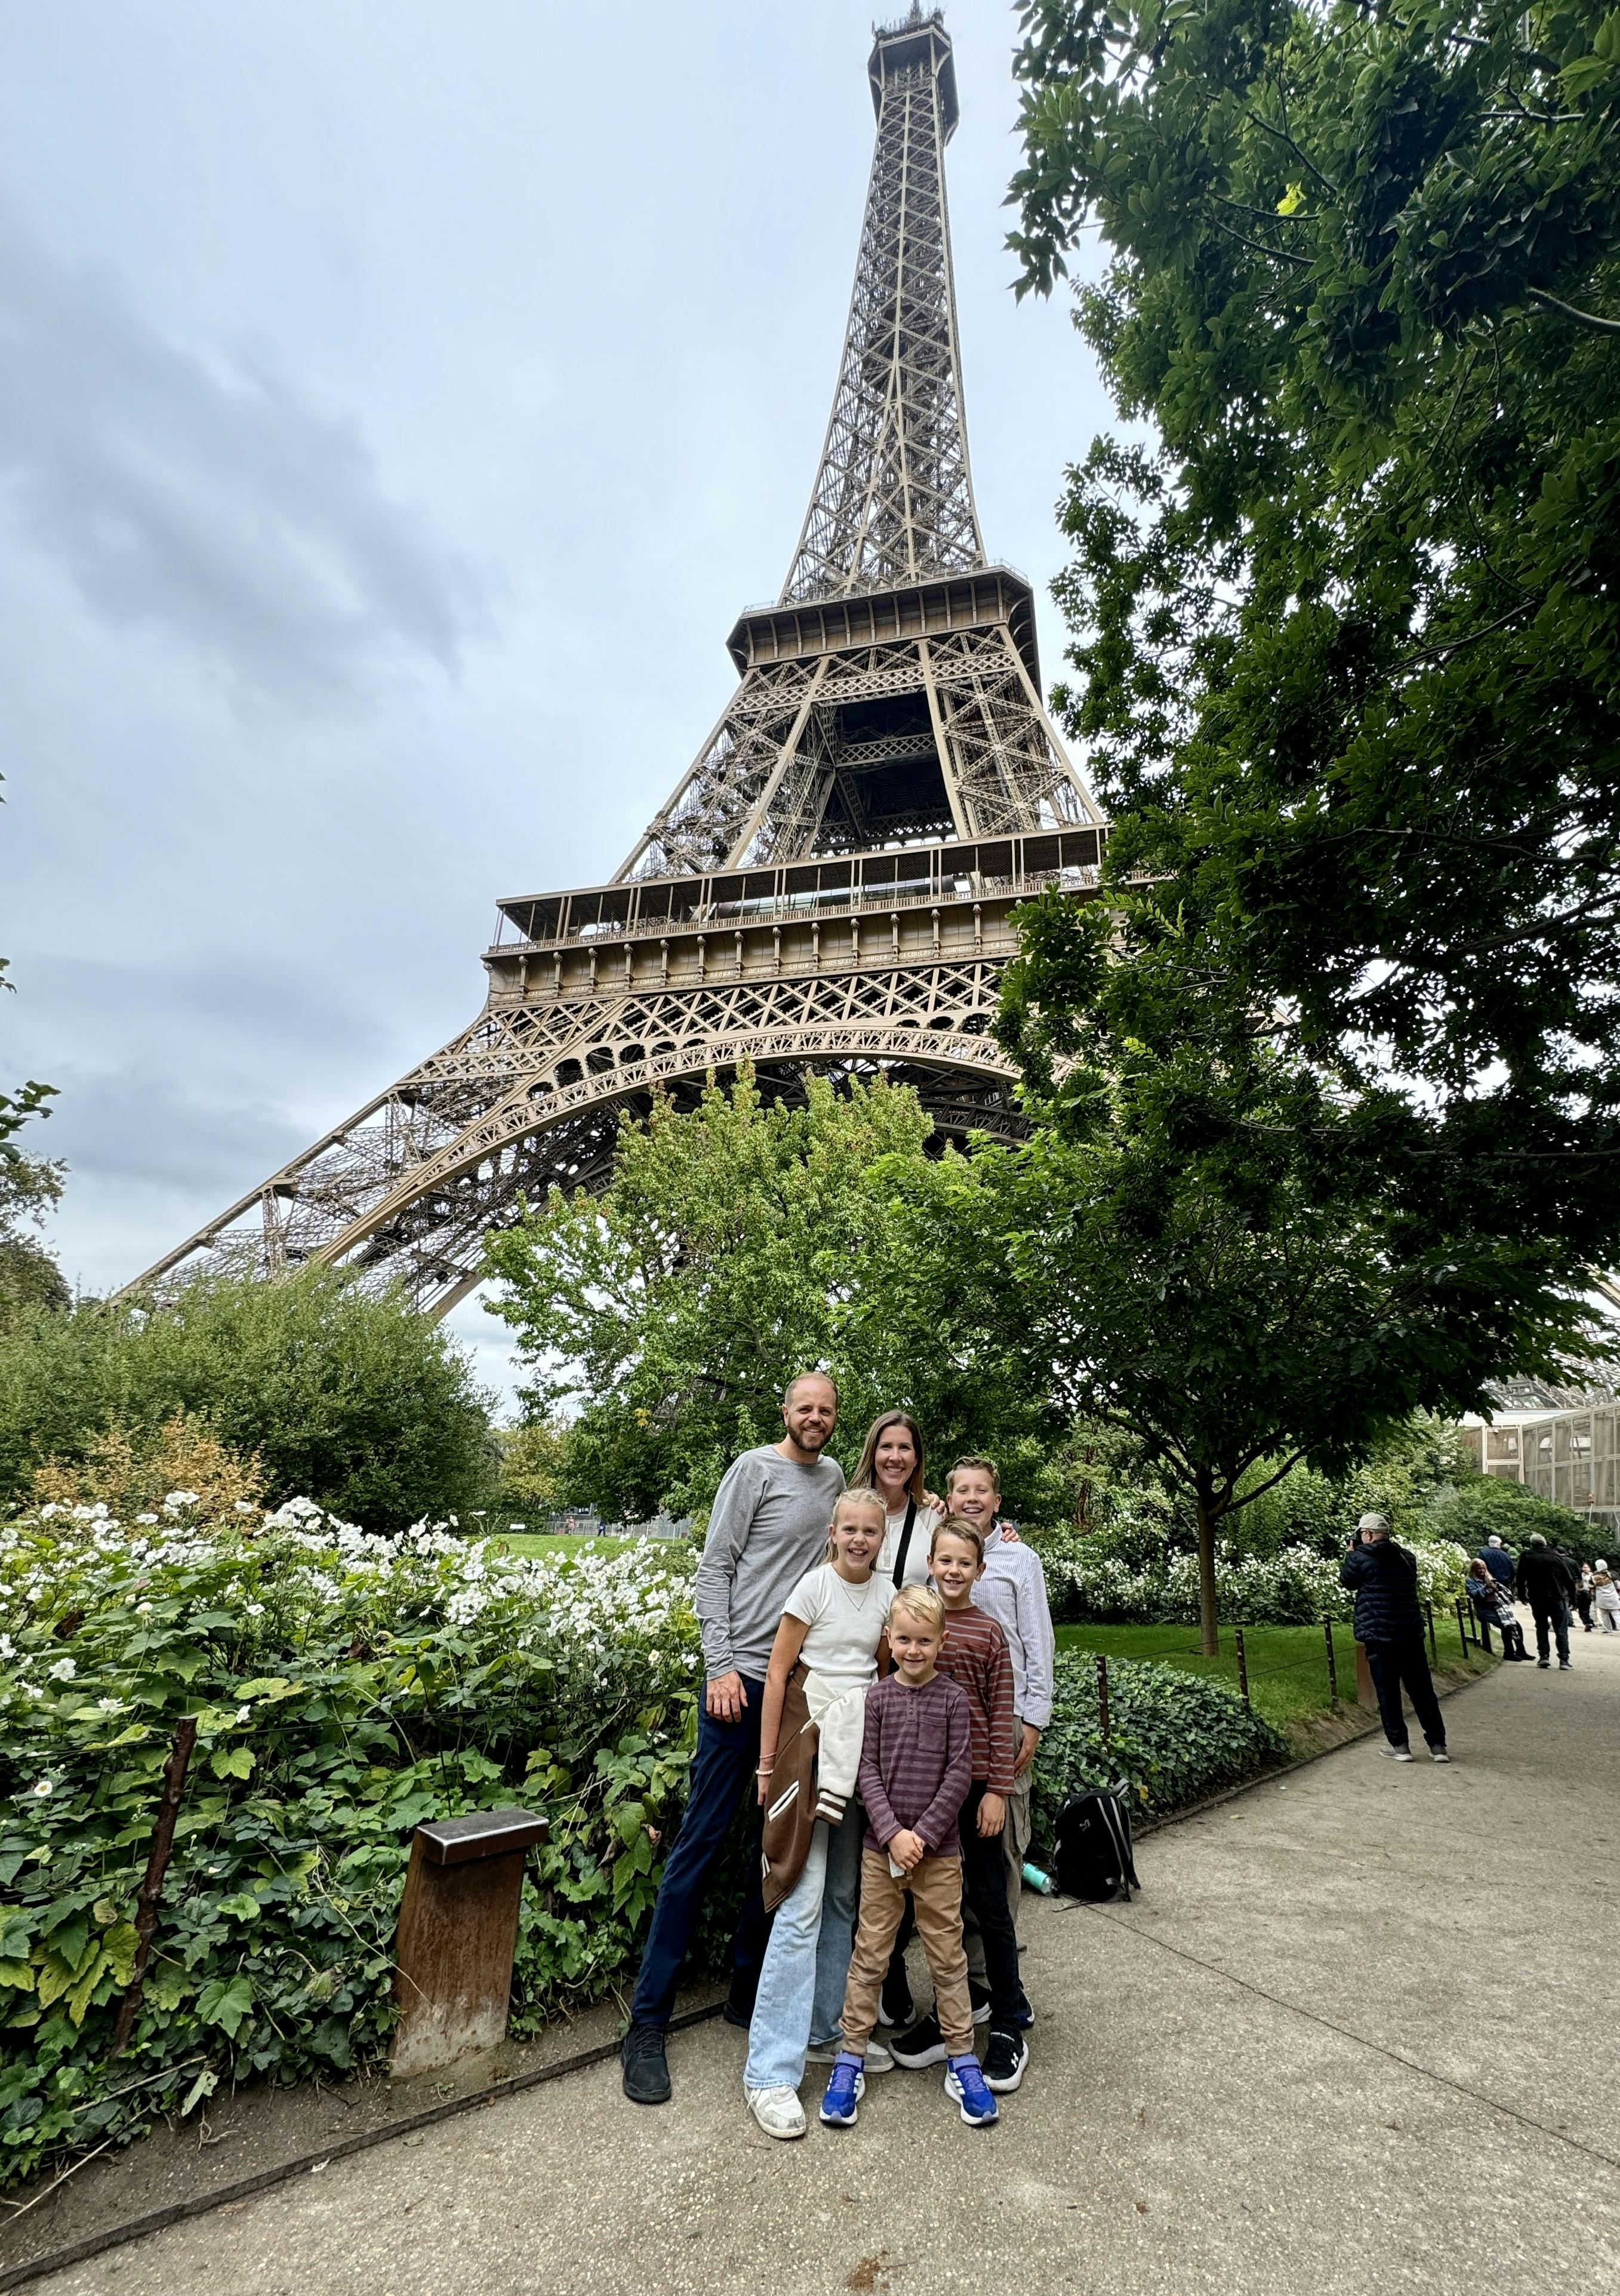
[{"x": 916, "y": 1767}]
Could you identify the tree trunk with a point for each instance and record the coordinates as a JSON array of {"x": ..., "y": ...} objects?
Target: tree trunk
[{"x": 1209, "y": 1630}]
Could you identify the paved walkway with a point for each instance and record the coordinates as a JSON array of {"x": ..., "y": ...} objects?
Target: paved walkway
[{"x": 1358, "y": 2035}]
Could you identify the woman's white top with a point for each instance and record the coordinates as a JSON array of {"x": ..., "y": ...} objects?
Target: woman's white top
[
  {"x": 916, "y": 1553},
  {"x": 846, "y": 1623}
]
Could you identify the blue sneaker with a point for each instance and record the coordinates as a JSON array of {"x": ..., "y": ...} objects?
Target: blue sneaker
[
  {"x": 843, "y": 2095},
  {"x": 965, "y": 2082}
]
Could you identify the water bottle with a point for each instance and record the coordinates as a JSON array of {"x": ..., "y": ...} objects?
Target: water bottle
[{"x": 1034, "y": 1879}]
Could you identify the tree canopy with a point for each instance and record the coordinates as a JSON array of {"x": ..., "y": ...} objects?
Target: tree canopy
[
  {"x": 736, "y": 1244},
  {"x": 1347, "y": 625}
]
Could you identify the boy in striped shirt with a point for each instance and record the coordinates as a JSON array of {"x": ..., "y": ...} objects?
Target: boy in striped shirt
[{"x": 974, "y": 1654}]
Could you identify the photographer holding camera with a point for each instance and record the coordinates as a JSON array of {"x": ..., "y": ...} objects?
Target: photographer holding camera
[{"x": 1390, "y": 1622}]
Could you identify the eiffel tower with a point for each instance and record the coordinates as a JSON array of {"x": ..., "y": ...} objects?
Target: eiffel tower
[{"x": 827, "y": 889}]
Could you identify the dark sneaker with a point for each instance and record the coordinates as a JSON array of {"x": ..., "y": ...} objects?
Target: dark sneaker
[
  {"x": 1025, "y": 2017},
  {"x": 843, "y": 2096},
  {"x": 980, "y": 1995},
  {"x": 965, "y": 2082},
  {"x": 646, "y": 2068},
  {"x": 1005, "y": 2058},
  {"x": 894, "y": 2003},
  {"x": 739, "y": 2008},
  {"x": 924, "y": 2044}
]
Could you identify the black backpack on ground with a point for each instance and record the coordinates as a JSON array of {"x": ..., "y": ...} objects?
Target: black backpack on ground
[{"x": 1092, "y": 1847}]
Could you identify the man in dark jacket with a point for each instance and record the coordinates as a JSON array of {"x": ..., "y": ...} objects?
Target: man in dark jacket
[
  {"x": 1497, "y": 1560},
  {"x": 1390, "y": 1622},
  {"x": 1547, "y": 1579}
]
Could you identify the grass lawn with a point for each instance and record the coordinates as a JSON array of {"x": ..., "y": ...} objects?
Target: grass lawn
[
  {"x": 545, "y": 1541},
  {"x": 1288, "y": 1666}
]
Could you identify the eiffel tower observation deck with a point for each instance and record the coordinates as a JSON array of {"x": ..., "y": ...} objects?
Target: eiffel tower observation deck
[{"x": 830, "y": 886}]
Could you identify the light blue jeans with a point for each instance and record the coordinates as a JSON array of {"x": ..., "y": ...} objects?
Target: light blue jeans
[{"x": 806, "y": 1965}]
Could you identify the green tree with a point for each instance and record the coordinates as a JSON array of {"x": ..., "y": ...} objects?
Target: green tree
[
  {"x": 348, "y": 1397},
  {"x": 536, "y": 1473},
  {"x": 1200, "y": 1242},
  {"x": 30, "y": 1186},
  {"x": 1348, "y": 628},
  {"x": 734, "y": 1246}
]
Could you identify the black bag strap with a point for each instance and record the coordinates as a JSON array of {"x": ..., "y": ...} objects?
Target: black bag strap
[{"x": 904, "y": 1547}]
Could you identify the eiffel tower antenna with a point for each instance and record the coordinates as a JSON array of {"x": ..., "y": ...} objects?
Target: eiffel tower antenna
[{"x": 829, "y": 888}]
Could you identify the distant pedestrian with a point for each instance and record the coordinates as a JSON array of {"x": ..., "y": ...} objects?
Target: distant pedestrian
[
  {"x": 1606, "y": 1598},
  {"x": 1494, "y": 1607},
  {"x": 1497, "y": 1560},
  {"x": 1389, "y": 1623},
  {"x": 1586, "y": 1586},
  {"x": 1547, "y": 1580}
]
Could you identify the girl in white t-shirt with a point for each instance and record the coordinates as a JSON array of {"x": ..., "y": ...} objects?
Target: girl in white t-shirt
[{"x": 834, "y": 1620}]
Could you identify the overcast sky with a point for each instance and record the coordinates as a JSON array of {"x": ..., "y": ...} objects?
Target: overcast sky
[{"x": 397, "y": 402}]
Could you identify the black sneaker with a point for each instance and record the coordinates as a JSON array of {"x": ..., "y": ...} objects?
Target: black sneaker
[
  {"x": 1005, "y": 2059},
  {"x": 894, "y": 2003},
  {"x": 924, "y": 2044},
  {"x": 646, "y": 2068}
]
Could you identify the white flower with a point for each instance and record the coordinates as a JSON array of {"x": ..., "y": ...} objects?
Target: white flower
[
  {"x": 108, "y": 1705},
  {"x": 245, "y": 1506},
  {"x": 255, "y": 1609},
  {"x": 50, "y": 1507},
  {"x": 8, "y": 1648},
  {"x": 63, "y": 1671},
  {"x": 243, "y": 1712},
  {"x": 44, "y": 1787},
  {"x": 146, "y": 1518}
]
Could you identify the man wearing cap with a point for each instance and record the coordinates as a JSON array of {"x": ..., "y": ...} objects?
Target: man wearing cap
[
  {"x": 1390, "y": 1622},
  {"x": 1547, "y": 1579}
]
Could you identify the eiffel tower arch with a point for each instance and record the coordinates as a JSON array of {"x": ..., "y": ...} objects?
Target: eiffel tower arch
[{"x": 829, "y": 888}]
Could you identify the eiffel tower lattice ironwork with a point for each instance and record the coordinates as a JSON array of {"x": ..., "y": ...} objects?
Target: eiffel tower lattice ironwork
[{"x": 830, "y": 886}]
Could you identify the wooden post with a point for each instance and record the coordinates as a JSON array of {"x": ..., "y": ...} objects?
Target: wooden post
[
  {"x": 151, "y": 1886},
  {"x": 1332, "y": 1666},
  {"x": 1365, "y": 1694},
  {"x": 458, "y": 1930},
  {"x": 1242, "y": 1667},
  {"x": 1102, "y": 1700}
]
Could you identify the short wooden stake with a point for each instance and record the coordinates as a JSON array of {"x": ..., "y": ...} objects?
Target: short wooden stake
[
  {"x": 1243, "y": 1666},
  {"x": 1102, "y": 1699},
  {"x": 458, "y": 1930},
  {"x": 151, "y": 1886},
  {"x": 1332, "y": 1666}
]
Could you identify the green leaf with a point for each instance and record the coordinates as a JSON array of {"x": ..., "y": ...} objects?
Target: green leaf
[
  {"x": 233, "y": 1762},
  {"x": 227, "y": 2003}
]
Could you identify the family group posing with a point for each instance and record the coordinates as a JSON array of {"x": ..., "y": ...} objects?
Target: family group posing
[{"x": 878, "y": 1673}]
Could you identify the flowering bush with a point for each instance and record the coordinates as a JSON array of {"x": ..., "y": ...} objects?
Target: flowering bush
[
  {"x": 345, "y": 1686},
  {"x": 1295, "y": 1586}
]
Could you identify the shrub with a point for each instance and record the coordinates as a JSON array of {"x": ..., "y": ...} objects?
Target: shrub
[
  {"x": 348, "y": 1396},
  {"x": 1481, "y": 1505},
  {"x": 345, "y": 1686},
  {"x": 1173, "y": 1737},
  {"x": 1114, "y": 1578}
]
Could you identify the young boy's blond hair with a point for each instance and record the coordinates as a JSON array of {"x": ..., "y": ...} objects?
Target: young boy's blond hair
[
  {"x": 921, "y": 1602},
  {"x": 979, "y": 1466}
]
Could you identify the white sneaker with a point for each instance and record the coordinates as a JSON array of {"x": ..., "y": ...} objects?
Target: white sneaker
[
  {"x": 1397, "y": 1753},
  {"x": 826, "y": 2053},
  {"x": 1438, "y": 1754},
  {"x": 778, "y": 2111}
]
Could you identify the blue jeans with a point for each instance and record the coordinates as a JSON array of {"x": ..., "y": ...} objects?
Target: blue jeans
[
  {"x": 807, "y": 1964},
  {"x": 721, "y": 1770}
]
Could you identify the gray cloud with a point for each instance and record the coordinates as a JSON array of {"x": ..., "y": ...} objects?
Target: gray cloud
[{"x": 213, "y": 504}]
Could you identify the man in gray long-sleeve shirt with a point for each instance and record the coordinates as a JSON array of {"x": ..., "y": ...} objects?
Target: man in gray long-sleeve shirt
[{"x": 768, "y": 1526}]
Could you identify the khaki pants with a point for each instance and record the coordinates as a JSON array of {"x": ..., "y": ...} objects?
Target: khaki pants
[
  {"x": 1015, "y": 1849},
  {"x": 935, "y": 1888}
]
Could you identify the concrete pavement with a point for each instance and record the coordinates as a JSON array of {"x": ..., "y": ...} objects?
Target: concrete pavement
[{"x": 1358, "y": 2034}]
